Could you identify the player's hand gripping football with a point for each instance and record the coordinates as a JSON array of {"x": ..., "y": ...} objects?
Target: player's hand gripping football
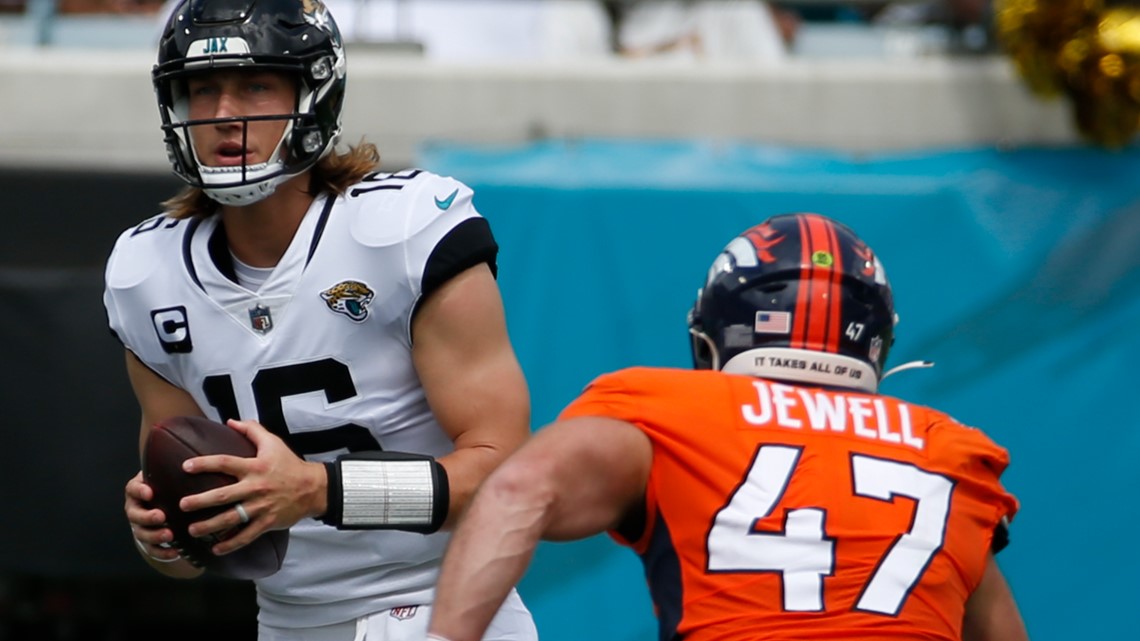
[
  {"x": 276, "y": 489},
  {"x": 147, "y": 522}
]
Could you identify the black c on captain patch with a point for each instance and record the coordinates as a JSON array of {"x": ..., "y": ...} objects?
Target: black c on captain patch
[{"x": 173, "y": 329}]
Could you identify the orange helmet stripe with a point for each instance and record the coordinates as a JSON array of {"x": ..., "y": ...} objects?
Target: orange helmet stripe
[
  {"x": 818, "y": 241},
  {"x": 803, "y": 297},
  {"x": 835, "y": 293},
  {"x": 817, "y": 315}
]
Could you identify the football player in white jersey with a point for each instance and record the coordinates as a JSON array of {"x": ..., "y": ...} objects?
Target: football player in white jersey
[{"x": 347, "y": 321}]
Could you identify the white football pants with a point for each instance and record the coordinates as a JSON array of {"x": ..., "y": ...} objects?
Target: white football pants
[{"x": 407, "y": 623}]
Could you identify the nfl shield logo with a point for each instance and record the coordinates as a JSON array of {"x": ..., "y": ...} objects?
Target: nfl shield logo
[
  {"x": 875, "y": 350},
  {"x": 260, "y": 319},
  {"x": 403, "y": 612}
]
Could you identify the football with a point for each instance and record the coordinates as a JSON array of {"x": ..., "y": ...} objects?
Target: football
[{"x": 171, "y": 442}]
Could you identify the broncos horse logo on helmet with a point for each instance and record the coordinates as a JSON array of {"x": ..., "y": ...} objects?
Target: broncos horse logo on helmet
[
  {"x": 297, "y": 37},
  {"x": 350, "y": 298},
  {"x": 798, "y": 297}
]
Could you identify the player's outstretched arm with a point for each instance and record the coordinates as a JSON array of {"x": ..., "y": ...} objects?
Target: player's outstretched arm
[
  {"x": 472, "y": 379},
  {"x": 991, "y": 611},
  {"x": 572, "y": 480},
  {"x": 158, "y": 400}
]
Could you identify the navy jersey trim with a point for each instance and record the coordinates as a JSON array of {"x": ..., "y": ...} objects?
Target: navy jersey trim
[
  {"x": 187, "y": 256},
  {"x": 663, "y": 574},
  {"x": 1001, "y": 537},
  {"x": 632, "y": 525},
  {"x": 320, "y": 230},
  {"x": 219, "y": 248}
]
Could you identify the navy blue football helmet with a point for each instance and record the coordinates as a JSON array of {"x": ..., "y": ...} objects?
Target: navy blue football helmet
[
  {"x": 292, "y": 36},
  {"x": 798, "y": 297}
]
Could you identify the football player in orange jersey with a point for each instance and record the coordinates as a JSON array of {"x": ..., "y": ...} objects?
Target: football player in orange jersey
[{"x": 772, "y": 493}]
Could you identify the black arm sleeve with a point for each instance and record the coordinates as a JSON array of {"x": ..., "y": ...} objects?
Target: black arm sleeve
[{"x": 465, "y": 246}]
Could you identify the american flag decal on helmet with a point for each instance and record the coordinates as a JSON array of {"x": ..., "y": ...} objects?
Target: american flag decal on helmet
[{"x": 773, "y": 322}]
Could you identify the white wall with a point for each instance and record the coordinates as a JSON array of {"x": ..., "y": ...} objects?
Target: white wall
[{"x": 75, "y": 107}]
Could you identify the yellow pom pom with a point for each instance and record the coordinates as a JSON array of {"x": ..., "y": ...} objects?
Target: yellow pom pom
[{"x": 1083, "y": 50}]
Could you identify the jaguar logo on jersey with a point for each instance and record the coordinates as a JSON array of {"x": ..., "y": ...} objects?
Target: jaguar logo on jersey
[
  {"x": 350, "y": 297},
  {"x": 403, "y": 612},
  {"x": 260, "y": 319},
  {"x": 173, "y": 329}
]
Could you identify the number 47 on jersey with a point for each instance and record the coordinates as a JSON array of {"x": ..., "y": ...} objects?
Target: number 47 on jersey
[{"x": 803, "y": 553}]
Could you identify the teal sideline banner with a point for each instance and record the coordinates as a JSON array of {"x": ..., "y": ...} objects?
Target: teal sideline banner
[{"x": 1017, "y": 272}]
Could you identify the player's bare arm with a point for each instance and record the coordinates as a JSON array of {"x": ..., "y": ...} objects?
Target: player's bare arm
[
  {"x": 991, "y": 611},
  {"x": 157, "y": 400},
  {"x": 471, "y": 377},
  {"x": 538, "y": 493}
]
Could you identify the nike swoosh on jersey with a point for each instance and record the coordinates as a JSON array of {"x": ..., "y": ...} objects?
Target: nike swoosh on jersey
[{"x": 446, "y": 202}]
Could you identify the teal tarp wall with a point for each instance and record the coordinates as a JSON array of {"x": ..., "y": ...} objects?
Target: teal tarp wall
[{"x": 1018, "y": 272}]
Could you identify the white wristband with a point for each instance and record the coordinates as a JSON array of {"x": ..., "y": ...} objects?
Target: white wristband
[
  {"x": 143, "y": 548},
  {"x": 436, "y": 637},
  {"x": 387, "y": 490},
  {"x": 391, "y": 493}
]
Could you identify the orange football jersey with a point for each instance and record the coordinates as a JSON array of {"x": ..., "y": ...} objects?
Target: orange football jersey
[{"x": 780, "y": 511}]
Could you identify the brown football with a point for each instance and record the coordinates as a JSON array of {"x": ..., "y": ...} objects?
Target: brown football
[{"x": 171, "y": 442}]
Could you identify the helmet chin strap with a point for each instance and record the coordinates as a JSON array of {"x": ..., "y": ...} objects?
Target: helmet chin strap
[
  {"x": 241, "y": 195},
  {"x": 909, "y": 365}
]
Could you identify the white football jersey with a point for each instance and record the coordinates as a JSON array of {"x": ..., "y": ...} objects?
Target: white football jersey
[{"x": 320, "y": 354}]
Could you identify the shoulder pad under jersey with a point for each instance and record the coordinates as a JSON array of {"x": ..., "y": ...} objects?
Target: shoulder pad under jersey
[
  {"x": 388, "y": 208},
  {"x": 140, "y": 248}
]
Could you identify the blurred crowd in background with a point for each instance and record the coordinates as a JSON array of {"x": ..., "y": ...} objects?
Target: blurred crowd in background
[{"x": 701, "y": 29}]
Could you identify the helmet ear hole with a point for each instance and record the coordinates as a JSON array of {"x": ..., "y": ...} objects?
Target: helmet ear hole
[{"x": 702, "y": 348}]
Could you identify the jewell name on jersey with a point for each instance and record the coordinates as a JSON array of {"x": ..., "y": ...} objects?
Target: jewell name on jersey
[{"x": 793, "y": 407}]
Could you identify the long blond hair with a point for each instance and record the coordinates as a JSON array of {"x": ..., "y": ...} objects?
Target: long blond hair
[{"x": 334, "y": 173}]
